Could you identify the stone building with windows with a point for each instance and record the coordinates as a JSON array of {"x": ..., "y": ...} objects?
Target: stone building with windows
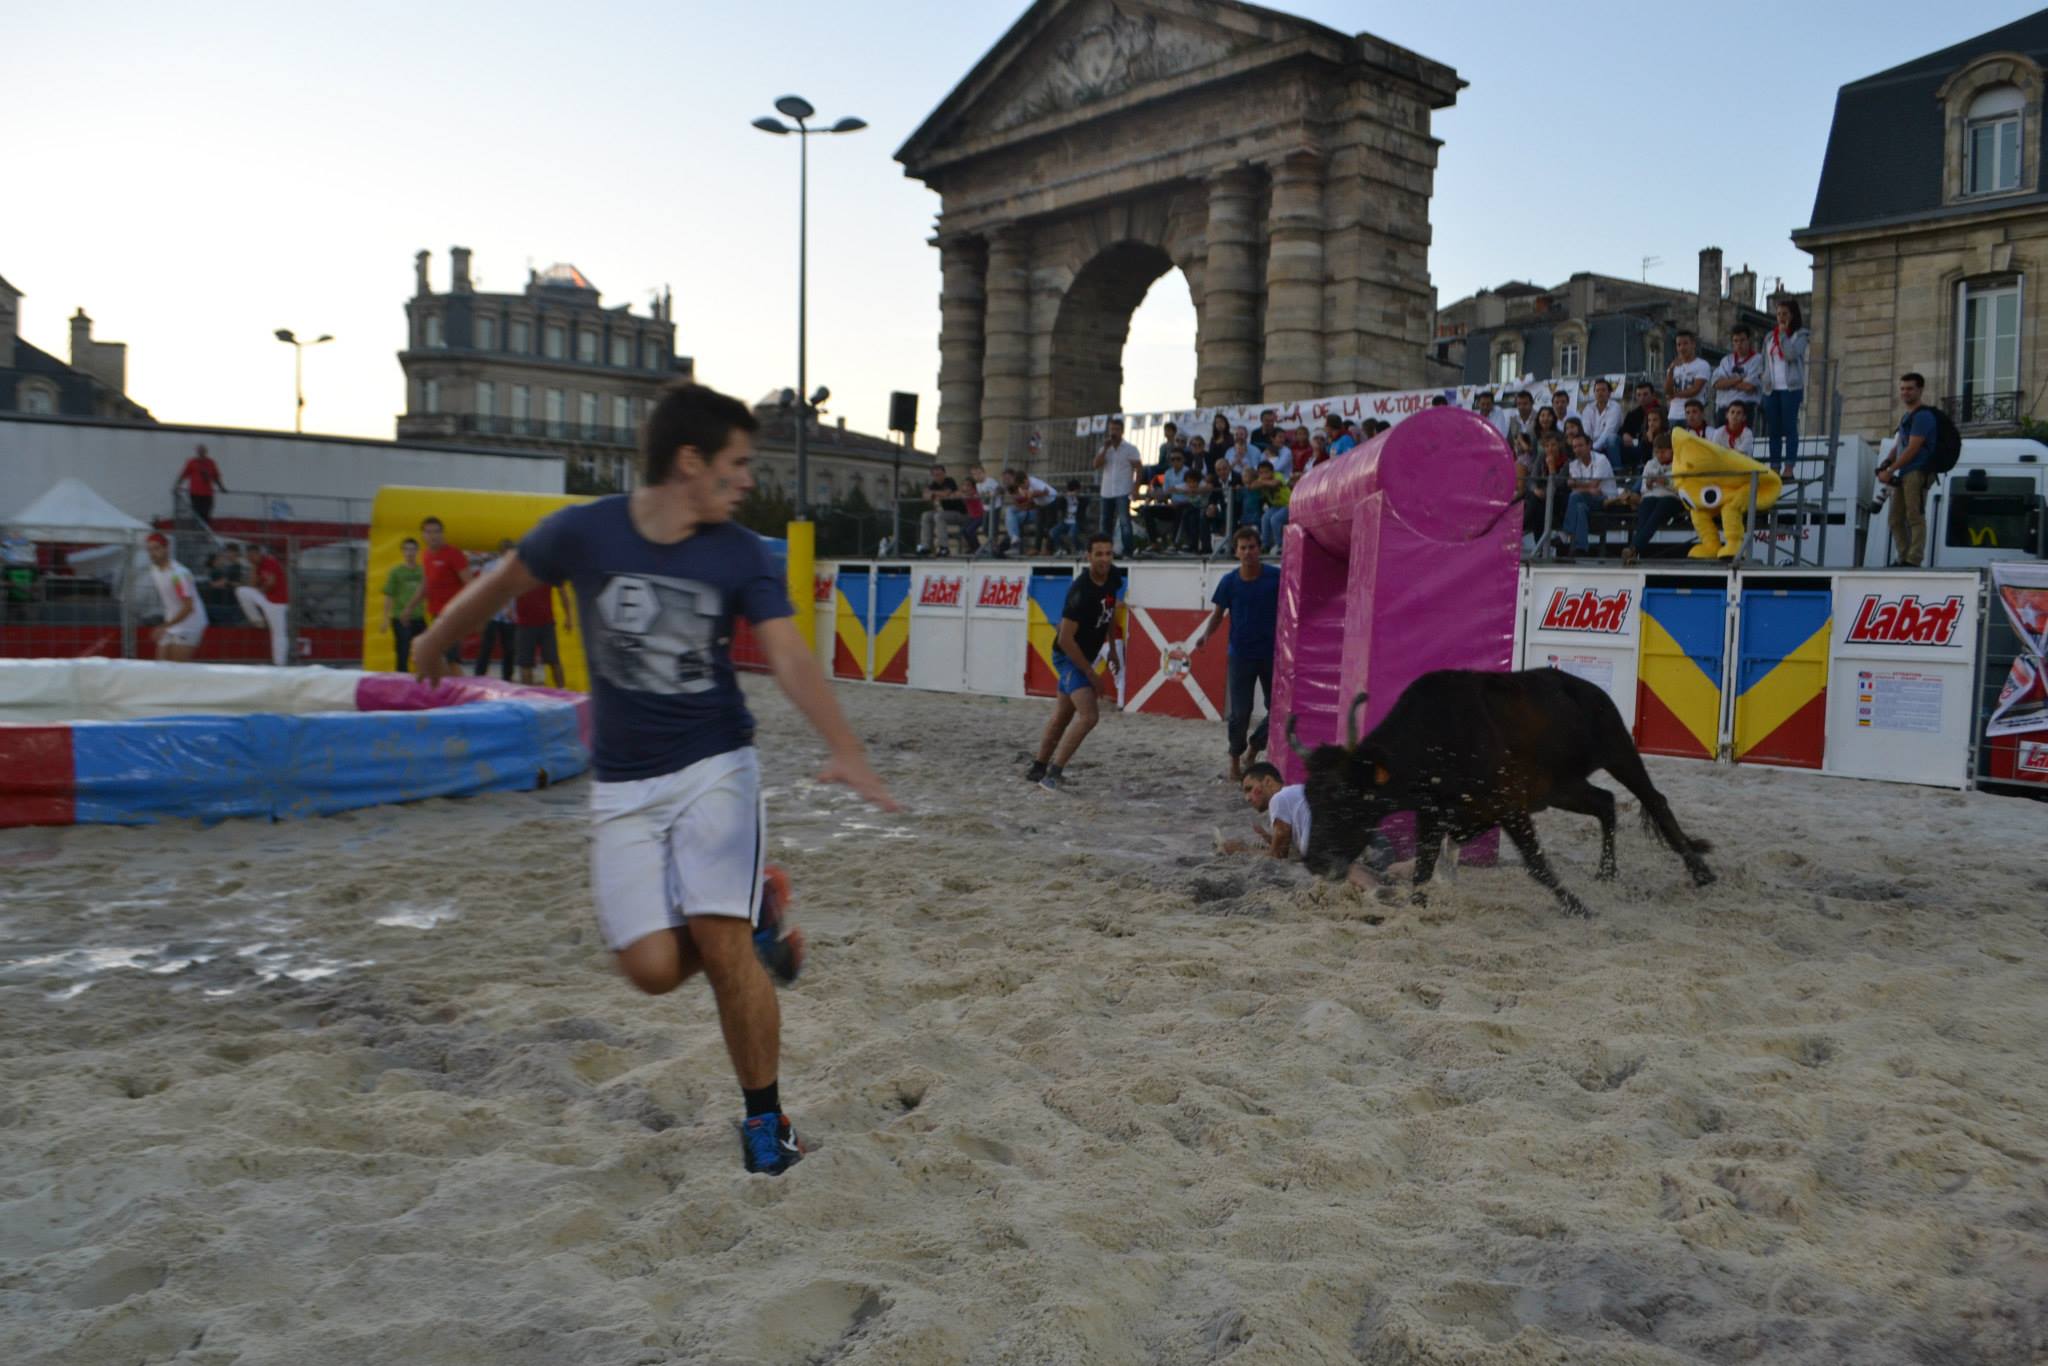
[
  {"x": 549, "y": 367},
  {"x": 1929, "y": 234},
  {"x": 36, "y": 383},
  {"x": 1593, "y": 325}
]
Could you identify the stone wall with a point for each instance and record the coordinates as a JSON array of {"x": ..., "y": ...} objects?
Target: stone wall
[{"x": 1885, "y": 303}]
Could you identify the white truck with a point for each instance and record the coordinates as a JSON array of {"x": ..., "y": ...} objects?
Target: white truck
[{"x": 1992, "y": 506}]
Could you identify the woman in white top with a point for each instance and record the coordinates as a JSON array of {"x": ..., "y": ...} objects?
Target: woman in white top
[{"x": 1784, "y": 382}]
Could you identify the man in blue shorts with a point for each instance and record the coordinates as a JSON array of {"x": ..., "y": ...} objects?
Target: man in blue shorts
[
  {"x": 1250, "y": 597},
  {"x": 678, "y": 825},
  {"x": 1085, "y": 624}
]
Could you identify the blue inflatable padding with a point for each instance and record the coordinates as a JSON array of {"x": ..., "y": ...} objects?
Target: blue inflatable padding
[
  {"x": 212, "y": 767},
  {"x": 284, "y": 767}
]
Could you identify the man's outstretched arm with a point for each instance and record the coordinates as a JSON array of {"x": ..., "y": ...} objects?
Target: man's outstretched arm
[
  {"x": 466, "y": 615},
  {"x": 802, "y": 680}
]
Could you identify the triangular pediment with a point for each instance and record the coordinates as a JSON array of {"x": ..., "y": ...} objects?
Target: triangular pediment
[{"x": 1064, "y": 56}]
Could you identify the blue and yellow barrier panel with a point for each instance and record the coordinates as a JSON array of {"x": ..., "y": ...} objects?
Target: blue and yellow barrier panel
[
  {"x": 1678, "y": 690},
  {"x": 1781, "y": 680}
]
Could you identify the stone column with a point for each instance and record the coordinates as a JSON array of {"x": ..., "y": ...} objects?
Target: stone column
[
  {"x": 962, "y": 261},
  {"x": 1006, "y": 363},
  {"x": 1227, "y": 363},
  {"x": 1294, "y": 280}
]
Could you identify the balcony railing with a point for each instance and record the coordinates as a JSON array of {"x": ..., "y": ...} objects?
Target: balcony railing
[
  {"x": 1983, "y": 409},
  {"x": 541, "y": 429}
]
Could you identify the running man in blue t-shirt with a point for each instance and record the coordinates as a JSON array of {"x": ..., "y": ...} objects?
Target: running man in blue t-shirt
[
  {"x": 678, "y": 826},
  {"x": 1250, "y": 597}
]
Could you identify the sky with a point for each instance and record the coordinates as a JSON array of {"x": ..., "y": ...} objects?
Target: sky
[{"x": 196, "y": 177}]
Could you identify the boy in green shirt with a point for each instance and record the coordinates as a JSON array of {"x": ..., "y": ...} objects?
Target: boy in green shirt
[{"x": 405, "y": 602}]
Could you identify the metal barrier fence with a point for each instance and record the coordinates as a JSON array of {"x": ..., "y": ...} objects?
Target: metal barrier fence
[{"x": 66, "y": 601}]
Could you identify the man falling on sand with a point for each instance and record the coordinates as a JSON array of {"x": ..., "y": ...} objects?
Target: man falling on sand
[
  {"x": 1085, "y": 624},
  {"x": 677, "y": 817}
]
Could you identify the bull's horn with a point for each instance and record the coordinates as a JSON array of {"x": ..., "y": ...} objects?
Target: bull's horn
[
  {"x": 1294, "y": 743},
  {"x": 1351, "y": 722}
]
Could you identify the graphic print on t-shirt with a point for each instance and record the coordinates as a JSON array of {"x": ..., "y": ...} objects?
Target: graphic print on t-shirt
[{"x": 658, "y": 634}]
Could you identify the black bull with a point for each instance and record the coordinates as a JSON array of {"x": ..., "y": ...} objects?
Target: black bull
[{"x": 1466, "y": 751}]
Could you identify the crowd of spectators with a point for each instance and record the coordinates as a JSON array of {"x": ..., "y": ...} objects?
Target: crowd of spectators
[
  {"x": 1193, "y": 495},
  {"x": 1604, "y": 461}
]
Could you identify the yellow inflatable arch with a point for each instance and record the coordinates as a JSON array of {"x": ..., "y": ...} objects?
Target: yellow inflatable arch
[{"x": 474, "y": 520}]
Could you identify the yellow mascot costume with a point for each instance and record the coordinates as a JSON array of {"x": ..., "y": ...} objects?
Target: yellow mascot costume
[{"x": 1714, "y": 482}]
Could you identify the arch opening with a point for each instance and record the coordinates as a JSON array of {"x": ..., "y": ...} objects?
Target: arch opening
[{"x": 1094, "y": 324}]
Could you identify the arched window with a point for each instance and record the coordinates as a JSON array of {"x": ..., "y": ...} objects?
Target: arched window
[
  {"x": 1991, "y": 141},
  {"x": 1506, "y": 348},
  {"x": 1653, "y": 353},
  {"x": 1571, "y": 358},
  {"x": 1988, "y": 348},
  {"x": 38, "y": 396}
]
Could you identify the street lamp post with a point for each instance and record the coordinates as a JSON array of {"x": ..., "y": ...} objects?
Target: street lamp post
[
  {"x": 285, "y": 334},
  {"x": 798, "y": 108}
]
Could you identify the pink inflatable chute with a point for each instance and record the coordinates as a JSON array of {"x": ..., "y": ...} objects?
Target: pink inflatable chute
[{"x": 1401, "y": 557}]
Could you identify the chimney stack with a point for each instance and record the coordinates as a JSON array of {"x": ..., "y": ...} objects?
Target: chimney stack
[
  {"x": 106, "y": 362},
  {"x": 1708, "y": 318},
  {"x": 458, "y": 265},
  {"x": 1742, "y": 286},
  {"x": 9, "y": 321},
  {"x": 420, "y": 288}
]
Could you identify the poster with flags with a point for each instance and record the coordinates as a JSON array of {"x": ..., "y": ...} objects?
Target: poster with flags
[{"x": 2022, "y": 709}]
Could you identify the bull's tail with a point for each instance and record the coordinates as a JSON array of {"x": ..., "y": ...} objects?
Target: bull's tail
[
  {"x": 1699, "y": 846},
  {"x": 1621, "y": 759}
]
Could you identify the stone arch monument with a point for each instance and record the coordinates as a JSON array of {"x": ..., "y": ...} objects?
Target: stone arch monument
[{"x": 1284, "y": 167}]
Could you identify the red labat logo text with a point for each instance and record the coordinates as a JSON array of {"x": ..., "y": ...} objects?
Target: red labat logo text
[
  {"x": 1908, "y": 621},
  {"x": 821, "y": 588},
  {"x": 1586, "y": 610},
  {"x": 940, "y": 593},
  {"x": 2033, "y": 759},
  {"x": 1001, "y": 593}
]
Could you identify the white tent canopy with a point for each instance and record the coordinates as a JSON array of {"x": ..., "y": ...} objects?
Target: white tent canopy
[{"x": 71, "y": 511}]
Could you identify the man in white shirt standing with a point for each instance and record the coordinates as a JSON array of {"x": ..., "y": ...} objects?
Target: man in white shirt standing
[
  {"x": 1561, "y": 404},
  {"x": 177, "y": 640},
  {"x": 1735, "y": 432},
  {"x": 1120, "y": 464},
  {"x": 1740, "y": 375},
  {"x": 1482, "y": 404},
  {"x": 1602, "y": 420},
  {"x": 1685, "y": 377},
  {"x": 1592, "y": 483}
]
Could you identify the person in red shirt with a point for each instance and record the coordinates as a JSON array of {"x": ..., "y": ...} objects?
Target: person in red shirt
[
  {"x": 200, "y": 478},
  {"x": 533, "y": 631},
  {"x": 447, "y": 571},
  {"x": 269, "y": 602}
]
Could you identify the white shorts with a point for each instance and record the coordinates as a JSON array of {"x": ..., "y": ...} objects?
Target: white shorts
[
  {"x": 685, "y": 843},
  {"x": 186, "y": 632}
]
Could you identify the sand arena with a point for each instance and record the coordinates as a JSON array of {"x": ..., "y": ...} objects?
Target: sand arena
[{"x": 363, "y": 1090}]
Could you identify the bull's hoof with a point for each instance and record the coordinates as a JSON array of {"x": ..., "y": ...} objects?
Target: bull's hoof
[
  {"x": 1575, "y": 907},
  {"x": 1608, "y": 872},
  {"x": 1703, "y": 876},
  {"x": 1418, "y": 897}
]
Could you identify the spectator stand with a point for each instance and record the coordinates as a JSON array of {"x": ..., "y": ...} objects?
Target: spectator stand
[{"x": 323, "y": 544}]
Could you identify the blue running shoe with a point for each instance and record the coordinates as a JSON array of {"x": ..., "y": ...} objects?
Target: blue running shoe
[{"x": 770, "y": 1145}]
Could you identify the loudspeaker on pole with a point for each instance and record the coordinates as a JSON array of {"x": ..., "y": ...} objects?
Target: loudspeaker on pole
[{"x": 902, "y": 412}]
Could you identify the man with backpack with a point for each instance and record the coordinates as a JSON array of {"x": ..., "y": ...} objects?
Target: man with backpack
[{"x": 1928, "y": 446}]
